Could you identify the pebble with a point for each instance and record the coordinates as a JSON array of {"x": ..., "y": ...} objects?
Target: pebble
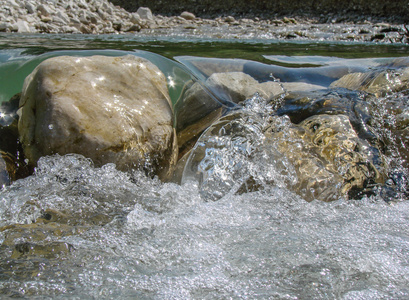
[
  {"x": 76, "y": 16},
  {"x": 187, "y": 15}
]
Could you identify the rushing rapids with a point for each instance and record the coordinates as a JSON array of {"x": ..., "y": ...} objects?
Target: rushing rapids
[{"x": 261, "y": 143}]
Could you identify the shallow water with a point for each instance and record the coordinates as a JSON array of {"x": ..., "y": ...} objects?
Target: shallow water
[{"x": 72, "y": 230}]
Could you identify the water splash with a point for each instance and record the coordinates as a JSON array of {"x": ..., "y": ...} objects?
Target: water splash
[
  {"x": 163, "y": 241},
  {"x": 389, "y": 122},
  {"x": 231, "y": 156}
]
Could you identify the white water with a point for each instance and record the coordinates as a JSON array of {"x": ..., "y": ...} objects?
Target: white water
[{"x": 164, "y": 242}]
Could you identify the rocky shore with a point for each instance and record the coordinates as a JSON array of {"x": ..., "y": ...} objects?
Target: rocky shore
[
  {"x": 395, "y": 11},
  {"x": 103, "y": 17}
]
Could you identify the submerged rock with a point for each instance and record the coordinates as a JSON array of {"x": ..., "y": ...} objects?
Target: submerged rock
[
  {"x": 202, "y": 104},
  {"x": 377, "y": 83},
  {"x": 320, "y": 158},
  {"x": 238, "y": 86},
  {"x": 12, "y": 166},
  {"x": 4, "y": 174},
  {"x": 196, "y": 110},
  {"x": 355, "y": 104},
  {"x": 8, "y": 110},
  {"x": 329, "y": 158},
  {"x": 110, "y": 109}
]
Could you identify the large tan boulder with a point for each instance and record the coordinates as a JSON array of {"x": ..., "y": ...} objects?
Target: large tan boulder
[{"x": 110, "y": 109}]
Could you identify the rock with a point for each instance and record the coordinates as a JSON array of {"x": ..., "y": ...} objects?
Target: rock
[
  {"x": 58, "y": 15},
  {"x": 145, "y": 13},
  {"x": 94, "y": 18},
  {"x": 229, "y": 19},
  {"x": 195, "y": 111},
  {"x": 238, "y": 86},
  {"x": 187, "y": 16},
  {"x": 23, "y": 27},
  {"x": 85, "y": 29},
  {"x": 135, "y": 18},
  {"x": 110, "y": 109},
  {"x": 63, "y": 16},
  {"x": 37, "y": 245},
  {"x": 48, "y": 250},
  {"x": 82, "y": 4},
  {"x": 302, "y": 105},
  {"x": 45, "y": 10},
  {"x": 13, "y": 27},
  {"x": 30, "y": 7},
  {"x": 132, "y": 28},
  {"x": 69, "y": 29},
  {"x": 4, "y": 26},
  {"x": 291, "y": 87},
  {"x": 46, "y": 19},
  {"x": 8, "y": 27},
  {"x": 13, "y": 3},
  {"x": 83, "y": 18},
  {"x": 199, "y": 107},
  {"x": 332, "y": 160},
  {"x": 4, "y": 174},
  {"x": 377, "y": 83},
  {"x": 289, "y": 20},
  {"x": 321, "y": 158}
]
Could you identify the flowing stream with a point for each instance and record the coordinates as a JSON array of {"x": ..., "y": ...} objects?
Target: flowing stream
[{"x": 237, "y": 224}]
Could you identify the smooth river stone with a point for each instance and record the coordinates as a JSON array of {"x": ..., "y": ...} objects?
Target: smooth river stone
[
  {"x": 110, "y": 109},
  {"x": 377, "y": 83},
  {"x": 238, "y": 86}
]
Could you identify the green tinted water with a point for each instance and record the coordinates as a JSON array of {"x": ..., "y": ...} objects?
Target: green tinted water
[
  {"x": 222, "y": 48},
  {"x": 19, "y": 54}
]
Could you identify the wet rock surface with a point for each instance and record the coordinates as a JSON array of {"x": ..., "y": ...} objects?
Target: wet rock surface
[
  {"x": 12, "y": 165},
  {"x": 111, "y": 109},
  {"x": 202, "y": 104},
  {"x": 233, "y": 132},
  {"x": 377, "y": 83},
  {"x": 329, "y": 158},
  {"x": 320, "y": 158},
  {"x": 328, "y": 142}
]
